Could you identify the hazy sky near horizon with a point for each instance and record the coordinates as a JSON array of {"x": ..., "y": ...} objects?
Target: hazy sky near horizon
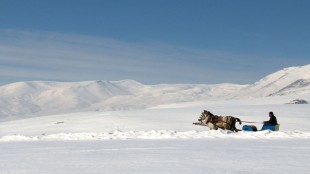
[{"x": 156, "y": 41}]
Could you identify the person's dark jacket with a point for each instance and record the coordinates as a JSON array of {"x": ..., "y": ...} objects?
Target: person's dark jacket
[{"x": 272, "y": 120}]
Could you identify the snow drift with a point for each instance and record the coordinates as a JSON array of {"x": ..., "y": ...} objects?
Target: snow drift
[{"x": 159, "y": 134}]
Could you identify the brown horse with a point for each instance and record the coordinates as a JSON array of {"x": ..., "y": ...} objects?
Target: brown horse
[{"x": 215, "y": 122}]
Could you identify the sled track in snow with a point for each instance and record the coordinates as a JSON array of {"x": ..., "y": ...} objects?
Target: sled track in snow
[{"x": 159, "y": 134}]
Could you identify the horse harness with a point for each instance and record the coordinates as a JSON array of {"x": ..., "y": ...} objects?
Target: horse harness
[{"x": 214, "y": 119}]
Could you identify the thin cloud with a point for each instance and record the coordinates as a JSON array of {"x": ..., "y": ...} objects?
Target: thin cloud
[{"x": 39, "y": 55}]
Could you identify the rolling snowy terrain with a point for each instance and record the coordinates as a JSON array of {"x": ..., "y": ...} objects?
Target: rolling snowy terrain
[
  {"x": 46, "y": 98},
  {"x": 129, "y": 127}
]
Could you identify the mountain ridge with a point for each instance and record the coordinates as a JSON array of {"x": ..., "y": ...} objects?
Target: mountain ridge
[
  {"x": 47, "y": 97},
  {"x": 279, "y": 83}
]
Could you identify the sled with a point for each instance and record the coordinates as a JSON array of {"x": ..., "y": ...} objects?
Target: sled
[{"x": 265, "y": 127}]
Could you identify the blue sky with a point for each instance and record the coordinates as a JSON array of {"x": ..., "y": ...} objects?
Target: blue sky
[{"x": 154, "y": 41}]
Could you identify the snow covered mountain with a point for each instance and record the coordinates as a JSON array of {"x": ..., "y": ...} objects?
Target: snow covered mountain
[
  {"x": 44, "y": 98},
  {"x": 26, "y": 98},
  {"x": 289, "y": 81}
]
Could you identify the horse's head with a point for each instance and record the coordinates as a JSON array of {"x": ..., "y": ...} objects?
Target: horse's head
[{"x": 204, "y": 115}]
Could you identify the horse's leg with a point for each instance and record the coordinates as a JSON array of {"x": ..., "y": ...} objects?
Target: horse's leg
[
  {"x": 233, "y": 125},
  {"x": 211, "y": 126}
]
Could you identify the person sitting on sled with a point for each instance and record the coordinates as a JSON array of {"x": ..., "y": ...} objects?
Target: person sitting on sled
[{"x": 272, "y": 121}]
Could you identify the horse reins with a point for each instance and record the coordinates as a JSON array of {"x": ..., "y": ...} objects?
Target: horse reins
[{"x": 250, "y": 122}]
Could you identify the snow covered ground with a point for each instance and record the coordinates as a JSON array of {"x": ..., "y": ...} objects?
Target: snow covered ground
[
  {"x": 127, "y": 127},
  {"x": 214, "y": 156},
  {"x": 161, "y": 139}
]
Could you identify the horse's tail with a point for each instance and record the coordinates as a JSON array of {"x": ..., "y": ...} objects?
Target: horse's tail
[{"x": 237, "y": 119}]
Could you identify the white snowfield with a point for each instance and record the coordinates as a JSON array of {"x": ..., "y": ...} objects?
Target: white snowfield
[
  {"x": 160, "y": 134},
  {"x": 163, "y": 122},
  {"x": 160, "y": 110},
  {"x": 127, "y": 127}
]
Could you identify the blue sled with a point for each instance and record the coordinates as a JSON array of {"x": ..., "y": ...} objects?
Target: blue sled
[{"x": 265, "y": 127}]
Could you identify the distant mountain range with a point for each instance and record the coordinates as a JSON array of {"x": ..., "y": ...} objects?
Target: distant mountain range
[{"x": 40, "y": 97}]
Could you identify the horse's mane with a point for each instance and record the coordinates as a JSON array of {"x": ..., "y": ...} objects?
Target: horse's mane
[{"x": 208, "y": 113}]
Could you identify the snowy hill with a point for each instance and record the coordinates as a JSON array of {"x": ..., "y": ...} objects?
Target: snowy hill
[
  {"x": 289, "y": 81},
  {"x": 45, "y": 98}
]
